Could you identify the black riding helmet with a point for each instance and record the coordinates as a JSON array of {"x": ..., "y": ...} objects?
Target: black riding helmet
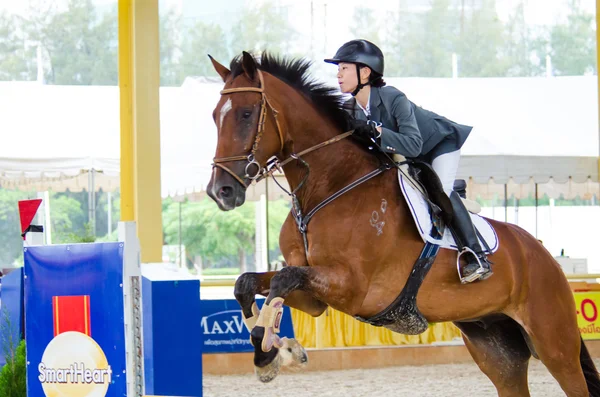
[{"x": 362, "y": 53}]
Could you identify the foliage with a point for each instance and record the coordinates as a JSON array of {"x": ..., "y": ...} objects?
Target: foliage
[
  {"x": 213, "y": 234},
  {"x": 66, "y": 236},
  {"x": 11, "y": 243},
  {"x": 364, "y": 24},
  {"x": 221, "y": 271},
  {"x": 573, "y": 44},
  {"x": 199, "y": 41},
  {"x": 79, "y": 44},
  {"x": 13, "y": 374},
  {"x": 16, "y": 62},
  {"x": 170, "y": 71},
  {"x": 263, "y": 27},
  {"x": 80, "y": 47},
  {"x": 422, "y": 44}
]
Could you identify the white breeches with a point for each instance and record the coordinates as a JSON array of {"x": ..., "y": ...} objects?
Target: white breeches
[{"x": 446, "y": 167}]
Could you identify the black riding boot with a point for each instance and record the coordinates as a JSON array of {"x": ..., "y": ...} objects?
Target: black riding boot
[{"x": 478, "y": 266}]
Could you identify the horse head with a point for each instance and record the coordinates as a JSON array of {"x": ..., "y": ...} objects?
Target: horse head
[{"x": 248, "y": 133}]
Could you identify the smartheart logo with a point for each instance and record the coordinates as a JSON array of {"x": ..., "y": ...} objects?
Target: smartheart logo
[{"x": 74, "y": 365}]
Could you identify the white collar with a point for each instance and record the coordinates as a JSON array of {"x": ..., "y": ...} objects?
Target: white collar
[{"x": 367, "y": 110}]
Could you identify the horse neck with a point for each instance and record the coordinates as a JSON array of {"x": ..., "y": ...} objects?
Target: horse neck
[{"x": 332, "y": 167}]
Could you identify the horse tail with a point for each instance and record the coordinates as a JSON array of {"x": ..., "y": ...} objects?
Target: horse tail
[{"x": 592, "y": 377}]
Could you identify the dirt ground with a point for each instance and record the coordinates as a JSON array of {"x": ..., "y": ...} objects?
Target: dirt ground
[{"x": 452, "y": 380}]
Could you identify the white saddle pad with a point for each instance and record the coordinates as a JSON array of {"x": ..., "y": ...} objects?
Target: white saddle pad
[{"x": 420, "y": 212}]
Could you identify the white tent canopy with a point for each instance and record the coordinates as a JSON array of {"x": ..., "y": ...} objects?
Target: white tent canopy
[{"x": 526, "y": 130}]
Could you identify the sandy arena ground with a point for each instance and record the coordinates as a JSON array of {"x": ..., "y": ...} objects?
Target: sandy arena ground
[{"x": 452, "y": 380}]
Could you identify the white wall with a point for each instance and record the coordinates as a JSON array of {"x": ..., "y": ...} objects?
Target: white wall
[{"x": 573, "y": 228}]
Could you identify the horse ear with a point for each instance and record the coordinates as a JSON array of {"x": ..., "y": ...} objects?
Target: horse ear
[
  {"x": 221, "y": 70},
  {"x": 249, "y": 65}
]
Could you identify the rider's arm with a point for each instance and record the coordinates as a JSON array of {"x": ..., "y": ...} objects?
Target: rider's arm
[{"x": 407, "y": 141}]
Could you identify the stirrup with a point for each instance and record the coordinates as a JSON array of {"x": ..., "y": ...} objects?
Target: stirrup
[{"x": 477, "y": 274}]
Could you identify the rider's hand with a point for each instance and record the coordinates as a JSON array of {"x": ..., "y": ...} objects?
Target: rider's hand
[{"x": 367, "y": 131}]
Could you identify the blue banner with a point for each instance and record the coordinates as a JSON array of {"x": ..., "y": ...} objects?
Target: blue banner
[
  {"x": 224, "y": 330},
  {"x": 74, "y": 320}
]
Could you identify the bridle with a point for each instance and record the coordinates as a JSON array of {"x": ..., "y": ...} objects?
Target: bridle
[
  {"x": 263, "y": 172},
  {"x": 251, "y": 157}
]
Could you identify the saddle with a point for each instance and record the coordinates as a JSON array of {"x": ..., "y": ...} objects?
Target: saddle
[{"x": 422, "y": 176}]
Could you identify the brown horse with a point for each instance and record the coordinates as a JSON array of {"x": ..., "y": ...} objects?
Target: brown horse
[{"x": 270, "y": 107}]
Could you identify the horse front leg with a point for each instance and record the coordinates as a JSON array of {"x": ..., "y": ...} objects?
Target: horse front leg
[
  {"x": 248, "y": 285},
  {"x": 289, "y": 353},
  {"x": 287, "y": 285}
]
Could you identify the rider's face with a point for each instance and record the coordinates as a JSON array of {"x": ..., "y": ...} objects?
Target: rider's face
[{"x": 346, "y": 76}]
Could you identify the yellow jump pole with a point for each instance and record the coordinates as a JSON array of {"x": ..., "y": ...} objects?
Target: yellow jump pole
[
  {"x": 139, "y": 81},
  {"x": 126, "y": 99}
]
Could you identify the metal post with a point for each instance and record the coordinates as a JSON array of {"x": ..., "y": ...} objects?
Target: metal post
[
  {"x": 536, "y": 210},
  {"x": 267, "y": 223},
  {"x": 109, "y": 200},
  {"x": 505, "y": 202},
  {"x": 92, "y": 200},
  {"x": 180, "y": 239}
]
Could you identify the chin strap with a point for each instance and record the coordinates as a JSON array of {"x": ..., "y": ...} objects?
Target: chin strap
[{"x": 360, "y": 85}]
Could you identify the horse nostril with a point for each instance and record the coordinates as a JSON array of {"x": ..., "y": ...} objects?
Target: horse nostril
[{"x": 226, "y": 192}]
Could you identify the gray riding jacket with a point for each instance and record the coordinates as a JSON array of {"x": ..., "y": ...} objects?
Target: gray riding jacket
[{"x": 408, "y": 129}]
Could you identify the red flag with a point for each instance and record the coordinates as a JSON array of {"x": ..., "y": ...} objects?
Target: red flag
[
  {"x": 71, "y": 313},
  {"x": 27, "y": 210}
]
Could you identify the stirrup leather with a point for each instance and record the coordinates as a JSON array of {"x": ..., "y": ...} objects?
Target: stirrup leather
[{"x": 477, "y": 274}]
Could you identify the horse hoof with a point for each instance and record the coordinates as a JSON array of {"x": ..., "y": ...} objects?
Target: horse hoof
[
  {"x": 270, "y": 371},
  {"x": 293, "y": 355}
]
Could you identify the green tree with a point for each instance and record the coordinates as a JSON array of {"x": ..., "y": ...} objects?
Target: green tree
[
  {"x": 80, "y": 47},
  {"x": 573, "y": 44},
  {"x": 67, "y": 217},
  {"x": 214, "y": 235},
  {"x": 102, "y": 214},
  {"x": 199, "y": 41},
  {"x": 209, "y": 232},
  {"x": 265, "y": 27},
  {"x": 170, "y": 70},
  {"x": 421, "y": 45},
  {"x": 11, "y": 243},
  {"x": 278, "y": 212},
  {"x": 364, "y": 25},
  {"x": 13, "y": 374},
  {"x": 16, "y": 61},
  {"x": 525, "y": 48},
  {"x": 479, "y": 45}
]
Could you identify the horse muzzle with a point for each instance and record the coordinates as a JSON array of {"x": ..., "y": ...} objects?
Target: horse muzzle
[{"x": 228, "y": 196}]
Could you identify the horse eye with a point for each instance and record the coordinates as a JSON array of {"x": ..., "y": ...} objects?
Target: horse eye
[
  {"x": 246, "y": 115},
  {"x": 290, "y": 349}
]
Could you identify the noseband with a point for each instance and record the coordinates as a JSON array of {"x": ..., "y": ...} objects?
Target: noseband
[{"x": 251, "y": 157}]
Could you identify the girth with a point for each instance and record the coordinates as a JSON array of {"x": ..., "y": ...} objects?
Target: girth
[{"x": 403, "y": 316}]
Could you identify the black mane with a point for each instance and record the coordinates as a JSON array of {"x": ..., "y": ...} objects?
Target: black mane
[{"x": 294, "y": 72}]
